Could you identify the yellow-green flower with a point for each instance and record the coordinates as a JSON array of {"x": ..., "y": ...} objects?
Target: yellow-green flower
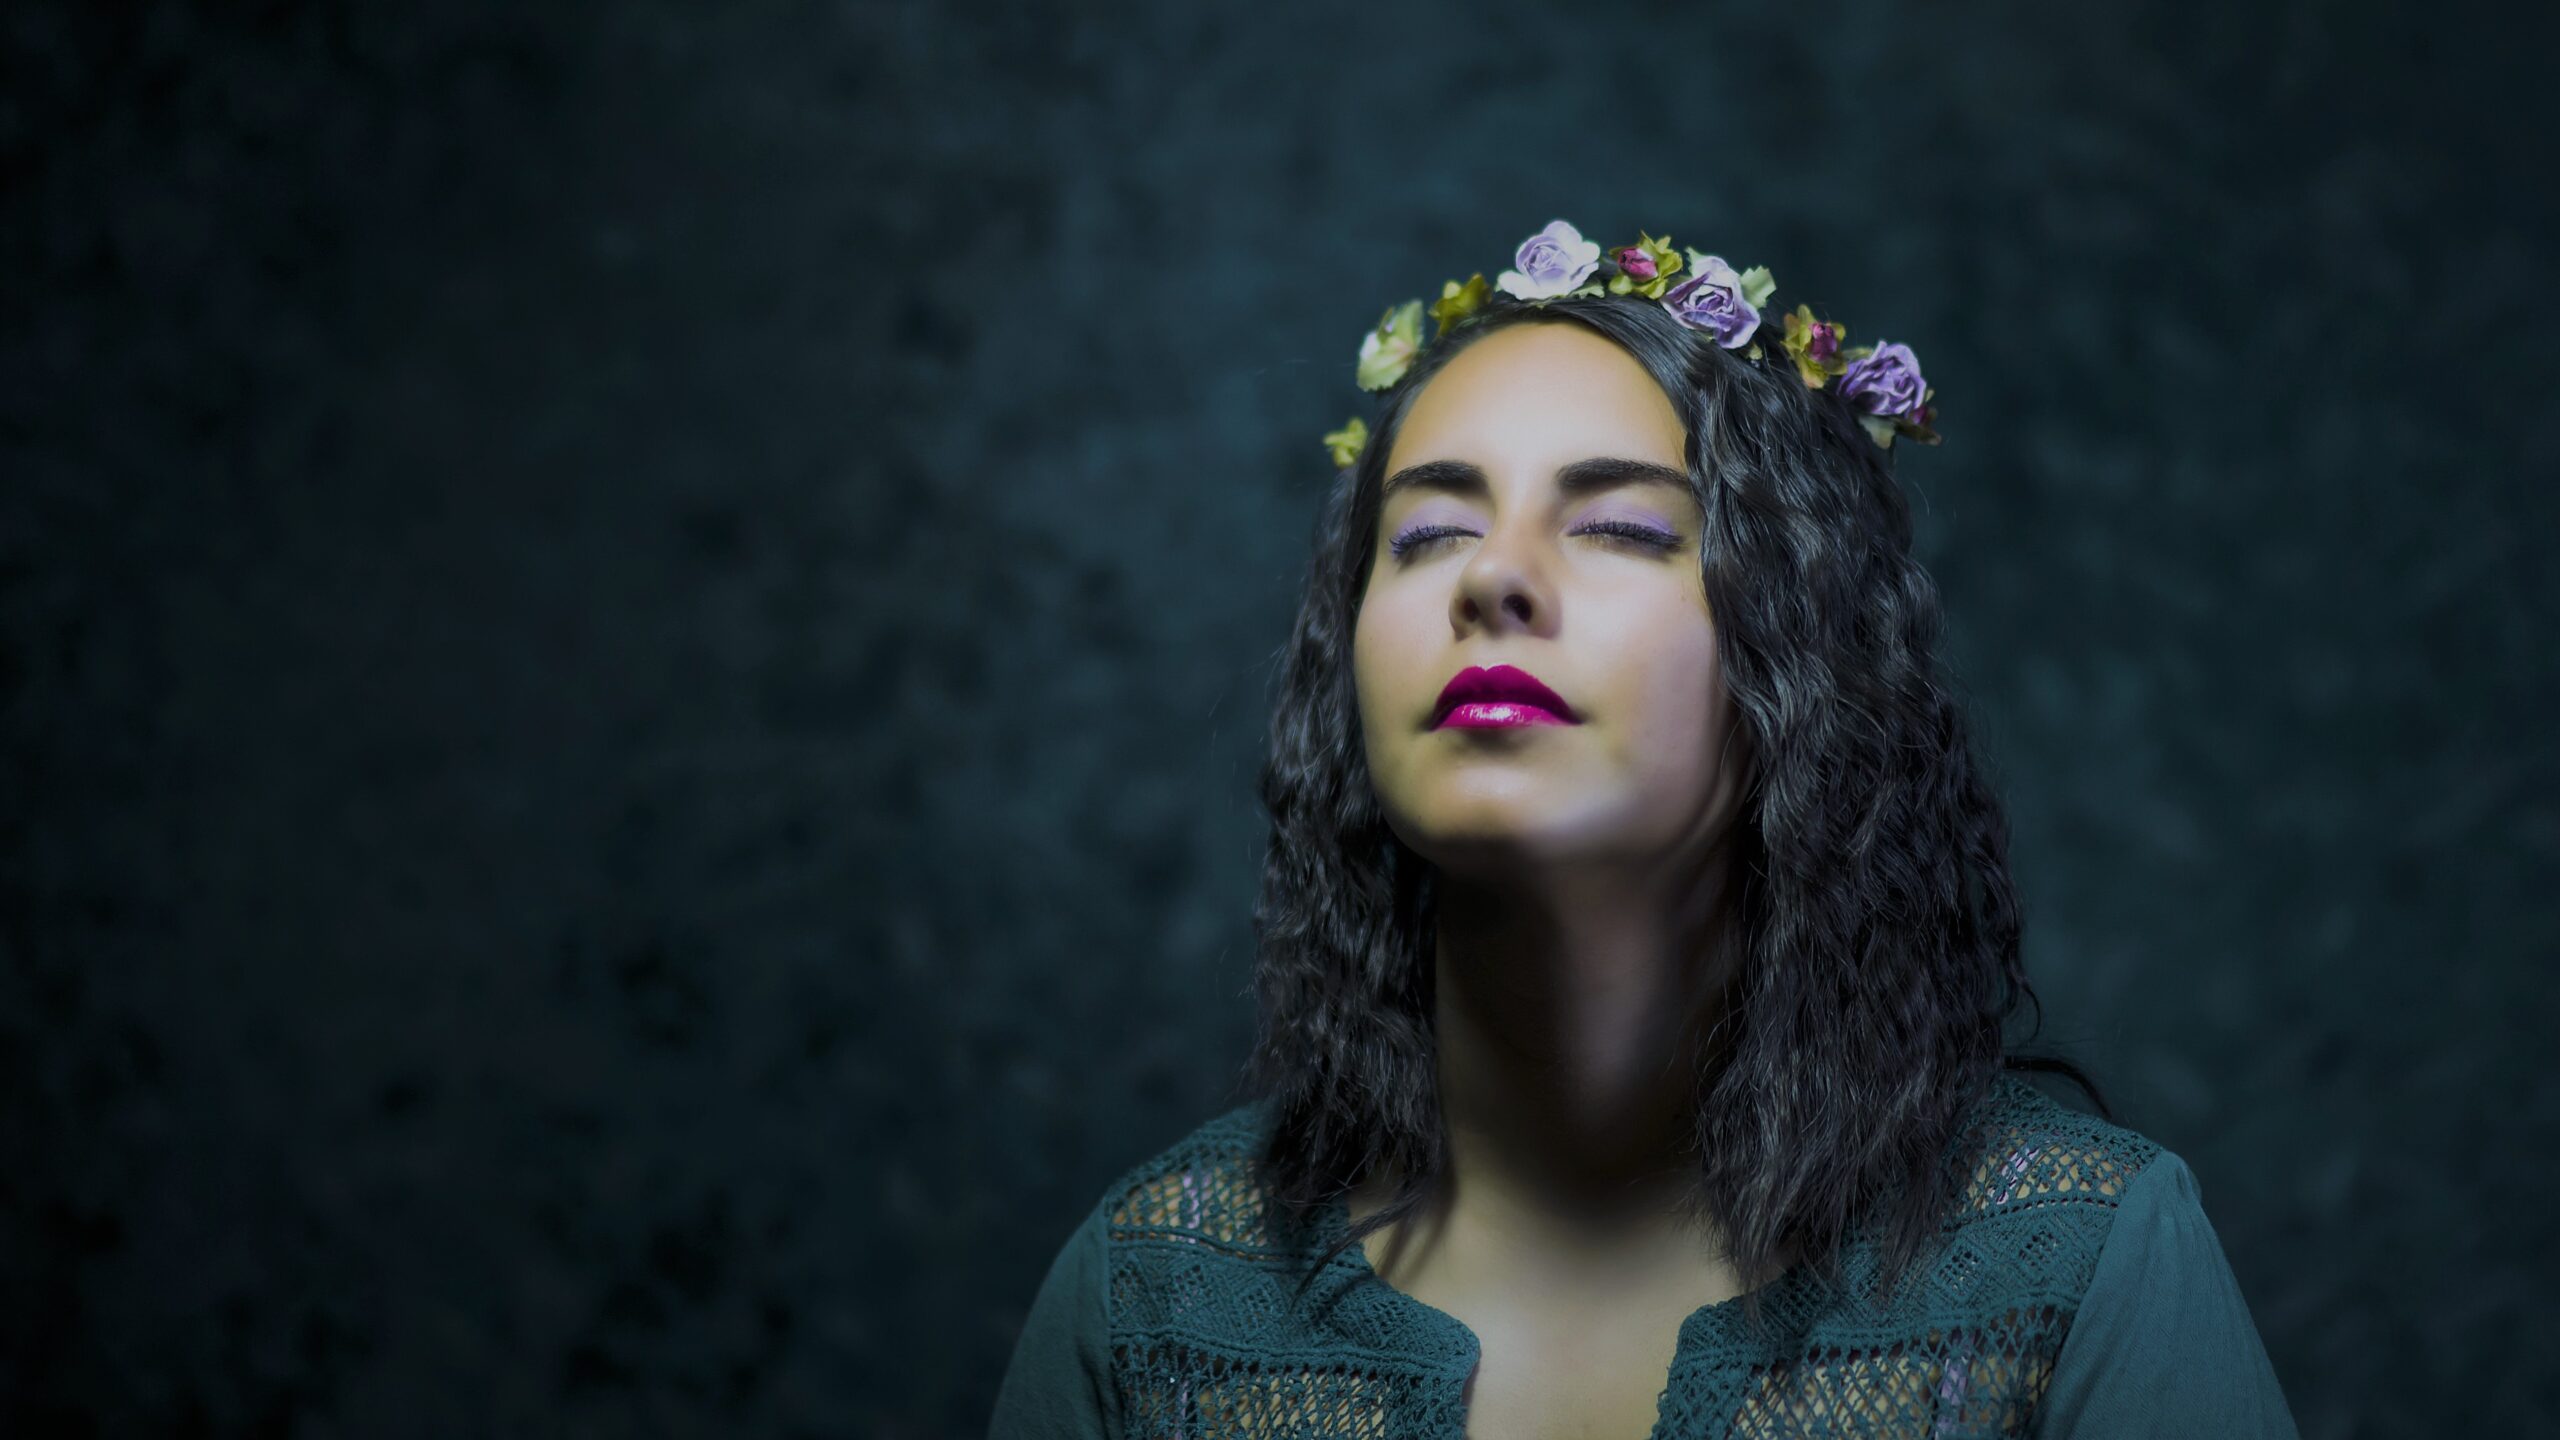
[
  {"x": 1457, "y": 301},
  {"x": 1815, "y": 346},
  {"x": 1346, "y": 443},
  {"x": 1645, "y": 268},
  {"x": 1388, "y": 351}
]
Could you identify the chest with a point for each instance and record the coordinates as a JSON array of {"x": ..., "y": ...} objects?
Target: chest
[
  {"x": 1532, "y": 1385},
  {"x": 1556, "y": 1362}
]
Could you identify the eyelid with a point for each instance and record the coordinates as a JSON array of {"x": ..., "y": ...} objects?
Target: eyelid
[
  {"x": 1636, "y": 530},
  {"x": 1599, "y": 514},
  {"x": 1599, "y": 508}
]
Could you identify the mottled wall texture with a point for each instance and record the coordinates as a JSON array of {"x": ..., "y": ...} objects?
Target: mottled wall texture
[{"x": 636, "y": 639}]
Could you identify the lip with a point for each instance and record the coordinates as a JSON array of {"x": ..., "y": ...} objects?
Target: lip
[{"x": 1498, "y": 697}]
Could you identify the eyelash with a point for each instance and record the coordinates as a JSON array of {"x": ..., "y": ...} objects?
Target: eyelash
[{"x": 1645, "y": 535}]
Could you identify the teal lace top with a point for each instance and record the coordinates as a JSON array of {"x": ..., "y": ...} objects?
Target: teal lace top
[{"x": 2083, "y": 1294}]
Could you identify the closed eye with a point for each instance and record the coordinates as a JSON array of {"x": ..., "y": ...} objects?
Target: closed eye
[{"x": 1646, "y": 537}]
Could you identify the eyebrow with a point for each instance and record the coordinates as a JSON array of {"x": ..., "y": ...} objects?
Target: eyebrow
[{"x": 1582, "y": 477}]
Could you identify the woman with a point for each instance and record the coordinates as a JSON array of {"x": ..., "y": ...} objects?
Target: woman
[{"x": 1636, "y": 947}]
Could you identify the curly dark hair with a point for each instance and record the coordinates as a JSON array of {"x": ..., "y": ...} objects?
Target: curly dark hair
[{"x": 1879, "y": 924}]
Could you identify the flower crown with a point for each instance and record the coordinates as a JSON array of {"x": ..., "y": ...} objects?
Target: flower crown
[{"x": 1701, "y": 291}]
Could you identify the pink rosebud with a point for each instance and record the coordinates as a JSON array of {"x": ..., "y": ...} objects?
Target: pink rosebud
[
  {"x": 1637, "y": 264},
  {"x": 1824, "y": 342}
]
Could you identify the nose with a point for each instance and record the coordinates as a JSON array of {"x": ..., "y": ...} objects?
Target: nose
[{"x": 1502, "y": 587}]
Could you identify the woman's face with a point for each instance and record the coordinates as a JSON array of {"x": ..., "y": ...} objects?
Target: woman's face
[{"x": 1582, "y": 573}]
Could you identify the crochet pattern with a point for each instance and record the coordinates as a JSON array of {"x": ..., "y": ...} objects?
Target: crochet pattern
[{"x": 1211, "y": 1342}]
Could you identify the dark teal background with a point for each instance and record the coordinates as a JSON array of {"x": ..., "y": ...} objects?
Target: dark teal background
[{"x": 636, "y": 639}]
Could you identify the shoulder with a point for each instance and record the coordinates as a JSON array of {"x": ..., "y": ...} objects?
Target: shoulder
[
  {"x": 1200, "y": 1185},
  {"x": 1201, "y": 1262},
  {"x": 2022, "y": 1150},
  {"x": 2039, "y": 1188},
  {"x": 2159, "y": 1337},
  {"x": 2021, "y": 1154}
]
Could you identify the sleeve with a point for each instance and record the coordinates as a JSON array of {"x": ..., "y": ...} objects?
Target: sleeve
[
  {"x": 2163, "y": 1344},
  {"x": 1058, "y": 1385}
]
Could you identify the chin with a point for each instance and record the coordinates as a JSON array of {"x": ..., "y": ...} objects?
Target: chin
[{"x": 1463, "y": 836}]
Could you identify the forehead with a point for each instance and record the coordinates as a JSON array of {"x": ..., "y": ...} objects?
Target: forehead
[{"x": 1539, "y": 396}]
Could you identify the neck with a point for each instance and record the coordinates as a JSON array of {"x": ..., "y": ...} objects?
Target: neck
[{"x": 1572, "y": 1018}]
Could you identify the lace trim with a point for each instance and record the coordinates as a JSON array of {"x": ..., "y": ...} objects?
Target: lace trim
[{"x": 1211, "y": 1340}]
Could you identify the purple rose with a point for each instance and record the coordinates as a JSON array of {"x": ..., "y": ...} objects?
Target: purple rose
[
  {"x": 1711, "y": 300},
  {"x": 1552, "y": 262},
  {"x": 1886, "y": 382}
]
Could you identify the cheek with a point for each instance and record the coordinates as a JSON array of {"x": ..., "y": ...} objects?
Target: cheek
[
  {"x": 1375, "y": 676},
  {"x": 1365, "y": 670},
  {"x": 1677, "y": 714}
]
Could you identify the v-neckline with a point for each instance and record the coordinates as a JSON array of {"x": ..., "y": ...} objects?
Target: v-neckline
[{"x": 1717, "y": 1319}]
